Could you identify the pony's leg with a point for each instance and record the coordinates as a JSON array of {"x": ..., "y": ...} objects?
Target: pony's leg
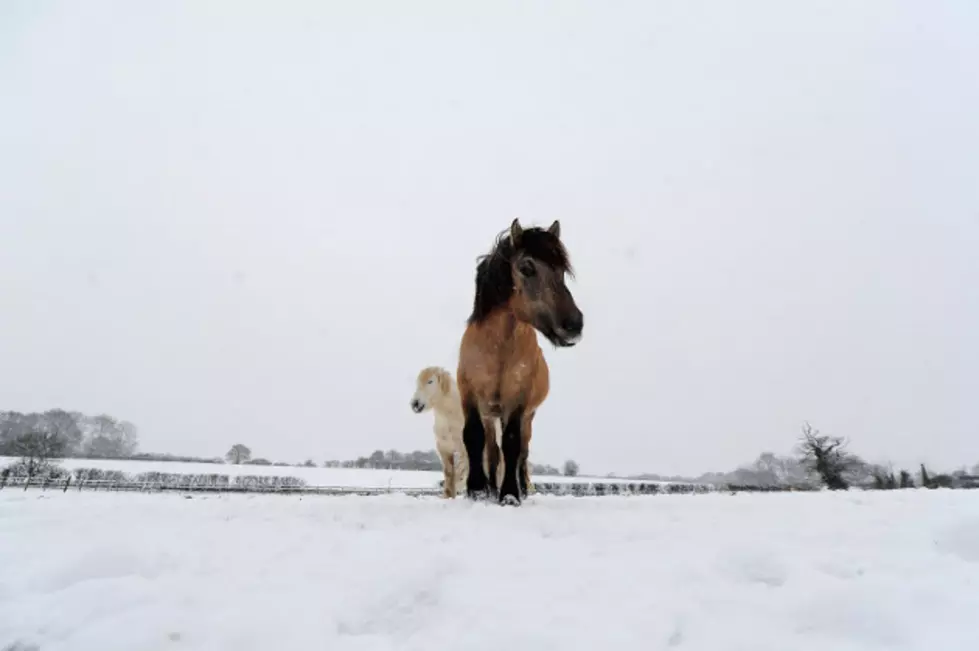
[
  {"x": 474, "y": 438},
  {"x": 462, "y": 470},
  {"x": 448, "y": 474},
  {"x": 512, "y": 447}
]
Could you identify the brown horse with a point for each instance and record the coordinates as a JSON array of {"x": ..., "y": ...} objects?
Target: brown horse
[{"x": 502, "y": 374}]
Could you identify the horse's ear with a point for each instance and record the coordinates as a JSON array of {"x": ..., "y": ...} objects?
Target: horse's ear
[
  {"x": 515, "y": 232},
  {"x": 555, "y": 229},
  {"x": 444, "y": 383}
]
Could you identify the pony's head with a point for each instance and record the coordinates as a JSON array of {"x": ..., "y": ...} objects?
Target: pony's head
[
  {"x": 525, "y": 273},
  {"x": 432, "y": 385}
]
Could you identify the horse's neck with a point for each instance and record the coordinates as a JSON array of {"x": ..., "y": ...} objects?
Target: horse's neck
[
  {"x": 504, "y": 326},
  {"x": 449, "y": 404},
  {"x": 514, "y": 337},
  {"x": 503, "y": 322},
  {"x": 454, "y": 406}
]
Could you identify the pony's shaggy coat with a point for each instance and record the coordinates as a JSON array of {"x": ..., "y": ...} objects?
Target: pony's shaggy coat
[{"x": 435, "y": 389}]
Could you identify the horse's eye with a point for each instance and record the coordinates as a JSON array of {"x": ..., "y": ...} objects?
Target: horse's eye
[
  {"x": 430, "y": 381},
  {"x": 527, "y": 268}
]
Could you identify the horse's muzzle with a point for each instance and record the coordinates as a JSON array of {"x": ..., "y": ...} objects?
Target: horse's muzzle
[
  {"x": 565, "y": 341},
  {"x": 417, "y": 407}
]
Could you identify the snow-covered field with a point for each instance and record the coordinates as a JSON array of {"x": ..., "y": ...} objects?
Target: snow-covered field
[
  {"x": 896, "y": 570},
  {"x": 353, "y": 477}
]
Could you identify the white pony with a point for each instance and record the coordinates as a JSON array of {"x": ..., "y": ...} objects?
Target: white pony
[{"x": 436, "y": 390}]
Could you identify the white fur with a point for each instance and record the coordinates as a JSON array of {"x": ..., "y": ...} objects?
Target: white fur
[{"x": 449, "y": 421}]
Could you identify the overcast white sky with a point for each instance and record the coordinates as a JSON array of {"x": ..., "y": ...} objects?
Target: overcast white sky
[{"x": 255, "y": 222}]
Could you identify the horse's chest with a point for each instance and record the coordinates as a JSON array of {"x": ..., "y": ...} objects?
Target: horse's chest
[
  {"x": 500, "y": 369},
  {"x": 515, "y": 377},
  {"x": 447, "y": 429}
]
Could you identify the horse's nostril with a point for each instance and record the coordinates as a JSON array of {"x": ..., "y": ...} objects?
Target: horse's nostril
[{"x": 573, "y": 323}]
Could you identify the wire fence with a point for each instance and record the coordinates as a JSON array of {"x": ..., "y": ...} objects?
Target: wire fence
[
  {"x": 221, "y": 484},
  {"x": 191, "y": 486},
  {"x": 196, "y": 485}
]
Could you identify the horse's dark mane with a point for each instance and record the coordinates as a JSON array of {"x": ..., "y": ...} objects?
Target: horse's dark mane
[{"x": 494, "y": 275}]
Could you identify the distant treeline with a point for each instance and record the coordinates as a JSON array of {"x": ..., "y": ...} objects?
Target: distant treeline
[
  {"x": 176, "y": 458},
  {"x": 67, "y": 434},
  {"x": 820, "y": 460},
  {"x": 39, "y": 438}
]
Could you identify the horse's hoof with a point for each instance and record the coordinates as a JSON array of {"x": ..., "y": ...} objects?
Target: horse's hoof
[
  {"x": 510, "y": 500},
  {"x": 479, "y": 495}
]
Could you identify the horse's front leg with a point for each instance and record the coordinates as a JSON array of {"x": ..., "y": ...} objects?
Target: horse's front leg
[
  {"x": 474, "y": 439},
  {"x": 512, "y": 448},
  {"x": 492, "y": 456}
]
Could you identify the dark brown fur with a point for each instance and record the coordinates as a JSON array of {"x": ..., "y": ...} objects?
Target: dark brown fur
[{"x": 502, "y": 373}]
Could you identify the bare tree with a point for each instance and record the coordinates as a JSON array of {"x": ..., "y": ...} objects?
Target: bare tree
[
  {"x": 884, "y": 479},
  {"x": 238, "y": 454},
  {"x": 13, "y": 425},
  {"x": 37, "y": 448},
  {"x": 769, "y": 466},
  {"x": 65, "y": 425},
  {"x": 571, "y": 468},
  {"x": 906, "y": 480},
  {"x": 941, "y": 480},
  {"x": 826, "y": 456},
  {"x": 110, "y": 438},
  {"x": 127, "y": 438}
]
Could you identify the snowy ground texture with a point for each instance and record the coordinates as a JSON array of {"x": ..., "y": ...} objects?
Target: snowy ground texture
[{"x": 854, "y": 571}]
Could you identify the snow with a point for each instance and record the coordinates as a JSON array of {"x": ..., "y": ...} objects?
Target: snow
[
  {"x": 348, "y": 477},
  {"x": 894, "y": 570}
]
